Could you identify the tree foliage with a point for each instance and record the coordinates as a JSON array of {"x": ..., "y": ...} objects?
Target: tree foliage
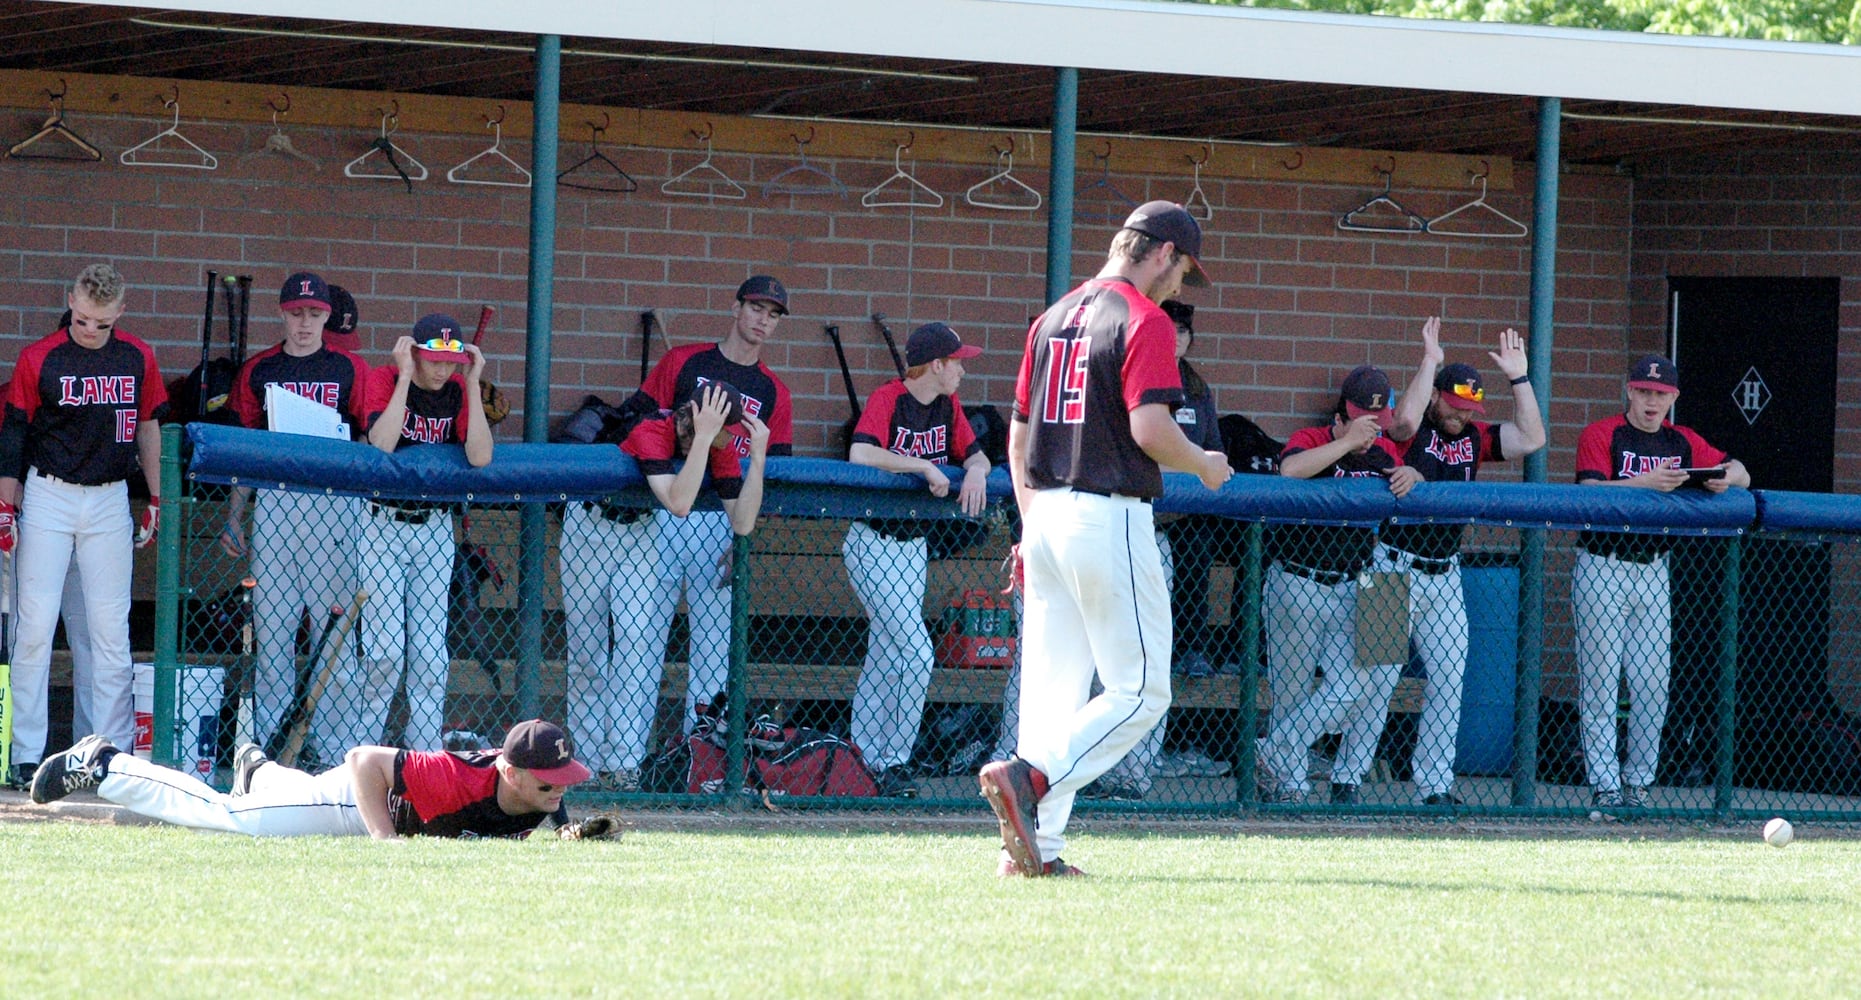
[{"x": 1776, "y": 20}]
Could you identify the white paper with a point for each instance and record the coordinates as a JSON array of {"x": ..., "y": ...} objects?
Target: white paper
[{"x": 290, "y": 413}]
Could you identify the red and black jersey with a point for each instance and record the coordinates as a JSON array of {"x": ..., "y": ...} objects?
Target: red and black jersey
[
  {"x": 1332, "y": 548},
  {"x": 446, "y": 794},
  {"x": 654, "y": 444},
  {"x": 1443, "y": 459},
  {"x": 1092, "y": 358},
  {"x": 678, "y": 377},
  {"x": 72, "y": 412},
  {"x": 333, "y": 377},
  {"x": 1613, "y": 448},
  {"x": 433, "y": 417},
  {"x": 935, "y": 431}
]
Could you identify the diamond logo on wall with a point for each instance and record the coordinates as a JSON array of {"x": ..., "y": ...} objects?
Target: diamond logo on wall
[{"x": 1751, "y": 395}]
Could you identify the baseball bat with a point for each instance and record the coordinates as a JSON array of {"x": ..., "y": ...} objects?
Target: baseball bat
[
  {"x": 646, "y": 343},
  {"x": 878, "y": 320},
  {"x": 294, "y": 742},
  {"x": 245, "y": 316},
  {"x": 293, "y": 720},
  {"x": 206, "y": 346},
  {"x": 846, "y": 378},
  {"x": 229, "y": 284},
  {"x": 484, "y": 320}
]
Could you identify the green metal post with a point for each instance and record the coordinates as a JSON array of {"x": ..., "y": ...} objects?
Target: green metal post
[
  {"x": 1531, "y": 544},
  {"x": 1060, "y": 183},
  {"x": 166, "y": 729},
  {"x": 1247, "y": 582},
  {"x": 533, "y": 539},
  {"x": 1731, "y": 569},
  {"x": 737, "y": 696}
]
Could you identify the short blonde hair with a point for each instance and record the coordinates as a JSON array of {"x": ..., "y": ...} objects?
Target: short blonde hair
[{"x": 101, "y": 284}]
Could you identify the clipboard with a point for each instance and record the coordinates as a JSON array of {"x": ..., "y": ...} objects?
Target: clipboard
[{"x": 289, "y": 413}]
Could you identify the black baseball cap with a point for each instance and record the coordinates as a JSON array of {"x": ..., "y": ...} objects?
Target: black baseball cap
[
  {"x": 1461, "y": 388},
  {"x": 1366, "y": 391},
  {"x": 1172, "y": 223},
  {"x": 343, "y": 317},
  {"x": 1180, "y": 312},
  {"x": 544, "y": 749},
  {"x": 436, "y": 338},
  {"x": 733, "y": 400},
  {"x": 936, "y": 340},
  {"x": 1654, "y": 372},
  {"x": 762, "y": 288},
  {"x": 303, "y": 289}
]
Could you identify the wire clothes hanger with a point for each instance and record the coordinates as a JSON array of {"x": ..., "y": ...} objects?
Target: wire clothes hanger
[
  {"x": 1003, "y": 190},
  {"x": 457, "y": 174},
  {"x": 390, "y": 153},
  {"x": 155, "y": 156},
  {"x": 804, "y": 178},
  {"x": 55, "y": 127},
  {"x": 1512, "y": 228},
  {"x": 701, "y": 179},
  {"x": 278, "y": 143},
  {"x": 1115, "y": 204},
  {"x": 1375, "y": 214},
  {"x": 1197, "y": 203},
  {"x": 602, "y": 173},
  {"x": 910, "y": 192}
]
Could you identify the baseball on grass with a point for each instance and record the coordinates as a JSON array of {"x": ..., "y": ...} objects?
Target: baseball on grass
[{"x": 1779, "y": 833}]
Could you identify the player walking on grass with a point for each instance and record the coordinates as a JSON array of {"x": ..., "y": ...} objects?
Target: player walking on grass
[
  {"x": 1447, "y": 445},
  {"x": 83, "y": 409},
  {"x": 380, "y": 792},
  {"x": 1092, "y": 423},
  {"x": 1619, "y": 589}
]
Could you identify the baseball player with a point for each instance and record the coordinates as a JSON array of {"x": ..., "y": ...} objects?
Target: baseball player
[
  {"x": 612, "y": 566},
  {"x": 1310, "y": 601},
  {"x": 912, "y": 425},
  {"x": 1092, "y": 424},
  {"x": 1619, "y": 588},
  {"x": 300, "y": 541},
  {"x": 83, "y": 409},
  {"x": 694, "y": 551},
  {"x": 405, "y": 552},
  {"x": 380, "y": 792},
  {"x": 1436, "y": 421}
]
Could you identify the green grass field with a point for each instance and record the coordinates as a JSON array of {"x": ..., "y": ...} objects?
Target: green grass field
[{"x": 101, "y": 910}]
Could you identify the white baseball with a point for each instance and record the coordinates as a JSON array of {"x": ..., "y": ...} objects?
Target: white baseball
[{"x": 1778, "y": 832}]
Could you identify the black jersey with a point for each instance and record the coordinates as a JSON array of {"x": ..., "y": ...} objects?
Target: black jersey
[
  {"x": 935, "y": 431},
  {"x": 72, "y": 412},
  {"x": 1613, "y": 448},
  {"x": 678, "y": 377},
  {"x": 333, "y": 377},
  {"x": 1443, "y": 459},
  {"x": 433, "y": 416},
  {"x": 1327, "y": 547},
  {"x": 1092, "y": 358}
]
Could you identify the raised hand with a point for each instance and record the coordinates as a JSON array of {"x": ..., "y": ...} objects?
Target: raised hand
[
  {"x": 1511, "y": 354},
  {"x": 1431, "y": 342}
]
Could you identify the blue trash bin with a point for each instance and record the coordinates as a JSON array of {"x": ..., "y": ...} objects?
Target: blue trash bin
[{"x": 1488, "y": 702}]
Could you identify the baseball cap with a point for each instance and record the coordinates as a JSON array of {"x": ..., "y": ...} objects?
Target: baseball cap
[
  {"x": 1654, "y": 372},
  {"x": 544, "y": 749},
  {"x": 1171, "y": 223},
  {"x": 303, "y": 289},
  {"x": 339, "y": 329},
  {"x": 1179, "y": 312},
  {"x": 733, "y": 400},
  {"x": 762, "y": 288},
  {"x": 1366, "y": 390},
  {"x": 436, "y": 338},
  {"x": 1461, "y": 388},
  {"x": 936, "y": 340}
]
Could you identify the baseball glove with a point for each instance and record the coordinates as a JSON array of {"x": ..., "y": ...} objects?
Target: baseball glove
[
  {"x": 599, "y": 827},
  {"x": 496, "y": 406}
]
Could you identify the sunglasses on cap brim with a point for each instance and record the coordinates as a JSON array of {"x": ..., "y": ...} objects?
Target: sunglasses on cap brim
[{"x": 1468, "y": 391}]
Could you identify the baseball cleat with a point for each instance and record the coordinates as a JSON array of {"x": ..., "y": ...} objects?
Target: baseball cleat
[
  {"x": 246, "y": 762},
  {"x": 1635, "y": 796},
  {"x": 74, "y": 770},
  {"x": 1058, "y": 867},
  {"x": 1009, "y": 787}
]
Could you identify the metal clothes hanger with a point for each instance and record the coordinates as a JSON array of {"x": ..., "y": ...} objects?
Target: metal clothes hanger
[
  {"x": 1116, "y": 204},
  {"x": 55, "y": 127},
  {"x": 804, "y": 178},
  {"x": 457, "y": 174},
  {"x": 602, "y": 174},
  {"x": 157, "y": 157},
  {"x": 1373, "y": 216},
  {"x": 1513, "y": 228},
  {"x": 1197, "y": 203},
  {"x": 701, "y": 179},
  {"x": 279, "y": 143},
  {"x": 910, "y": 193},
  {"x": 390, "y": 153},
  {"x": 1003, "y": 190}
]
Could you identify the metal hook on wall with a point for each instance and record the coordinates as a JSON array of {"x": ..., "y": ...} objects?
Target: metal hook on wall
[{"x": 1298, "y": 161}]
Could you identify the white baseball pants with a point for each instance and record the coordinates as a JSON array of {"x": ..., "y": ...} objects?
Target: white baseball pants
[
  {"x": 1624, "y": 630},
  {"x": 1096, "y": 603},
  {"x": 693, "y": 554},
  {"x": 283, "y": 801},
  {"x": 301, "y": 559},
  {"x": 615, "y": 657},
  {"x": 407, "y": 570},
  {"x": 1438, "y": 623},
  {"x": 61, "y": 523},
  {"x": 888, "y": 704},
  {"x": 1312, "y": 625}
]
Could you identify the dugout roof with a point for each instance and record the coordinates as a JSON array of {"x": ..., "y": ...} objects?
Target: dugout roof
[{"x": 1147, "y": 68}]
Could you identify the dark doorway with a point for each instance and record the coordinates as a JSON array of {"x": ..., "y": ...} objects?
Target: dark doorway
[{"x": 1757, "y": 359}]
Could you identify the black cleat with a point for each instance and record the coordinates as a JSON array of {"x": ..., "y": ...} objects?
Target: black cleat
[{"x": 74, "y": 770}]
